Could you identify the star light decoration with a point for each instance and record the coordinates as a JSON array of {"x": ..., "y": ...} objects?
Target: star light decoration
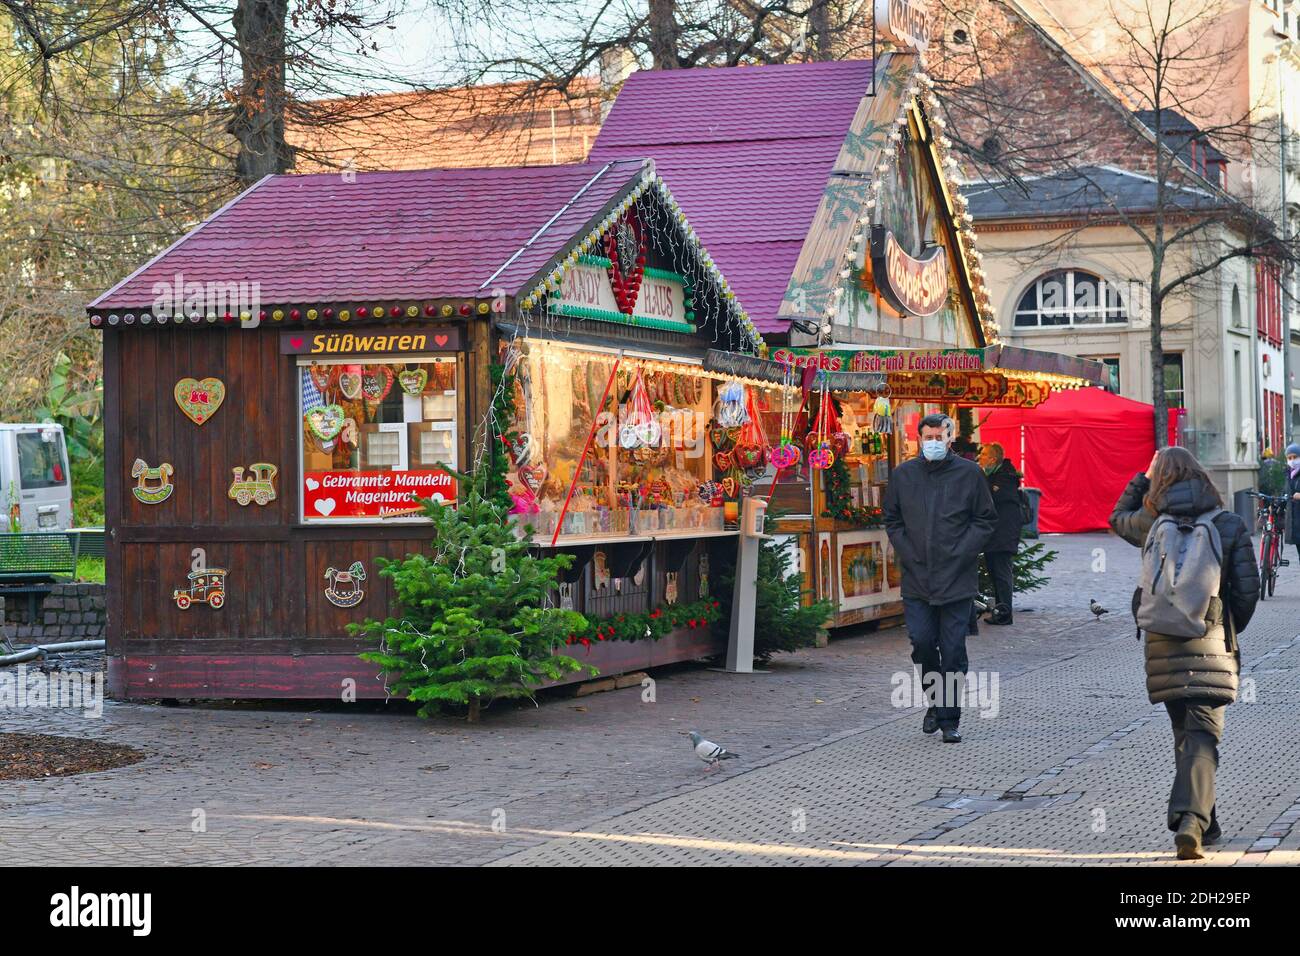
[
  {"x": 695, "y": 255},
  {"x": 922, "y": 88}
]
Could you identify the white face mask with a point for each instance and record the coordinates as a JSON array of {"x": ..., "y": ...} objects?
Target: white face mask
[{"x": 934, "y": 450}]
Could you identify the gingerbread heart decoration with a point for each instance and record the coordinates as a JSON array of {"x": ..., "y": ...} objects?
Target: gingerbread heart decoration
[
  {"x": 322, "y": 376},
  {"x": 199, "y": 399},
  {"x": 325, "y": 421},
  {"x": 625, "y": 245},
  {"x": 350, "y": 381},
  {"x": 413, "y": 380},
  {"x": 376, "y": 382},
  {"x": 520, "y": 448},
  {"x": 533, "y": 477}
]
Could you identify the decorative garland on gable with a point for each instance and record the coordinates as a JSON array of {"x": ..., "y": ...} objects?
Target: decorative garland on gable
[
  {"x": 920, "y": 98},
  {"x": 590, "y": 245}
]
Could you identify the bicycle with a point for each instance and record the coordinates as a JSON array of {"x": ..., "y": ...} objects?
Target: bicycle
[{"x": 1269, "y": 515}]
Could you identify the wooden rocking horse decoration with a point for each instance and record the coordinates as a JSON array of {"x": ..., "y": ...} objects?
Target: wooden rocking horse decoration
[
  {"x": 349, "y": 594},
  {"x": 153, "y": 485}
]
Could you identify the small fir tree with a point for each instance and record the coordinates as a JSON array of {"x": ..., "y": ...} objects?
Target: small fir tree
[
  {"x": 783, "y": 622},
  {"x": 473, "y": 626},
  {"x": 1026, "y": 569}
]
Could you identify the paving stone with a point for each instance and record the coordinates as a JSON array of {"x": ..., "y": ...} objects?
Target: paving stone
[{"x": 830, "y": 772}]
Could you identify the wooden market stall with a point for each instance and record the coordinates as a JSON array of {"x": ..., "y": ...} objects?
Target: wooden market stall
[
  {"x": 283, "y": 381},
  {"x": 857, "y": 259}
]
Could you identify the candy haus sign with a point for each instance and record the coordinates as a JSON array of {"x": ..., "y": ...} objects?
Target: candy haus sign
[{"x": 913, "y": 286}]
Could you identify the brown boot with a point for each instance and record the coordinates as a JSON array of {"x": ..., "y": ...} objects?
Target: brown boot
[{"x": 1188, "y": 838}]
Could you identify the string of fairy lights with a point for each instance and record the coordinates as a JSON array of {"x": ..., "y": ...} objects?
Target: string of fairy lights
[
  {"x": 662, "y": 217},
  {"x": 919, "y": 98}
]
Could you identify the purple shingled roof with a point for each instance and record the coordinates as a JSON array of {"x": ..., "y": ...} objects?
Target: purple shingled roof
[
  {"x": 747, "y": 151},
  {"x": 421, "y": 234}
]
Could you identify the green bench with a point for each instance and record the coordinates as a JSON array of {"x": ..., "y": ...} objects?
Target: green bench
[{"x": 32, "y": 562}]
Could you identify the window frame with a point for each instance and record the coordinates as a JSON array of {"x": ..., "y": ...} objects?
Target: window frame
[{"x": 1102, "y": 310}]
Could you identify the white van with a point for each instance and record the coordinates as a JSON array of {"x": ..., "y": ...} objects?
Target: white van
[{"x": 34, "y": 481}]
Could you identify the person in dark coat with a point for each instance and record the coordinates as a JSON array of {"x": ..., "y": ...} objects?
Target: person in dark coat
[
  {"x": 1293, "y": 492},
  {"x": 1004, "y": 487},
  {"x": 1195, "y": 678},
  {"x": 939, "y": 515}
]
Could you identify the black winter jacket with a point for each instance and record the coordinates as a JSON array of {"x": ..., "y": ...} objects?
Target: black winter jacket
[
  {"x": 1204, "y": 668},
  {"x": 1004, "y": 486},
  {"x": 939, "y": 517}
]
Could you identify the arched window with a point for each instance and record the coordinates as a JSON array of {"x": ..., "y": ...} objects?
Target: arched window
[{"x": 1070, "y": 297}]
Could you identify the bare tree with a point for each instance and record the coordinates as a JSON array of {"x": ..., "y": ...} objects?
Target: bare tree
[{"x": 1161, "y": 81}]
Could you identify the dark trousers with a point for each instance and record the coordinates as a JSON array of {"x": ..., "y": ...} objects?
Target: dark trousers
[
  {"x": 1198, "y": 728},
  {"x": 999, "y": 565},
  {"x": 938, "y": 635}
]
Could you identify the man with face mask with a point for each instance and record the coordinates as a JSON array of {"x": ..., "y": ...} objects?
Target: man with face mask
[{"x": 939, "y": 515}]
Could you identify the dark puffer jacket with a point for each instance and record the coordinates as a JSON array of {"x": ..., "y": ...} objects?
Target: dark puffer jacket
[
  {"x": 1203, "y": 668},
  {"x": 939, "y": 515},
  {"x": 1004, "y": 486}
]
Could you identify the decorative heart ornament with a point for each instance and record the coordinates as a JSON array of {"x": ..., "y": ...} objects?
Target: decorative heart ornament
[
  {"x": 199, "y": 399},
  {"x": 322, "y": 376},
  {"x": 533, "y": 477},
  {"x": 350, "y": 381},
  {"x": 520, "y": 449},
  {"x": 376, "y": 382},
  {"x": 722, "y": 460},
  {"x": 625, "y": 245},
  {"x": 325, "y": 422},
  {"x": 413, "y": 380}
]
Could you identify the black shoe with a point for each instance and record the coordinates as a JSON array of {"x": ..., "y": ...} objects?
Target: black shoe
[
  {"x": 951, "y": 735},
  {"x": 1188, "y": 838},
  {"x": 1213, "y": 835},
  {"x": 931, "y": 722}
]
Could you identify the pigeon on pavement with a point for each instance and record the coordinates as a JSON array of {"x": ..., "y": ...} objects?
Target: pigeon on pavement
[
  {"x": 708, "y": 751},
  {"x": 1096, "y": 608}
]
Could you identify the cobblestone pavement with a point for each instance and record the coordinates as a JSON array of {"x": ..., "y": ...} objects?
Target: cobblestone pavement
[{"x": 1073, "y": 769}]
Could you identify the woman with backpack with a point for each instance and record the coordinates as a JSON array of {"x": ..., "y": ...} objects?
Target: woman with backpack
[
  {"x": 1004, "y": 486},
  {"x": 1174, "y": 513}
]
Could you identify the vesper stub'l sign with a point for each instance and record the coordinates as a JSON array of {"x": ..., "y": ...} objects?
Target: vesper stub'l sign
[{"x": 911, "y": 285}]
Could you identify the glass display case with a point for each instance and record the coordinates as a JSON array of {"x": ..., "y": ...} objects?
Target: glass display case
[{"x": 611, "y": 445}]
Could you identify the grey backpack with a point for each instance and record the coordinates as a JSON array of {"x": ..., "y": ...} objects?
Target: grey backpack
[{"x": 1181, "y": 564}]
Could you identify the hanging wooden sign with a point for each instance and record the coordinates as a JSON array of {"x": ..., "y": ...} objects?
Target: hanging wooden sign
[
  {"x": 1018, "y": 394},
  {"x": 153, "y": 485},
  {"x": 903, "y": 23},
  {"x": 258, "y": 486},
  {"x": 344, "y": 587},
  {"x": 912, "y": 286},
  {"x": 199, "y": 399}
]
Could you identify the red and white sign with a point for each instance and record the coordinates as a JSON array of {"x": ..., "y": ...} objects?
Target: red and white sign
[{"x": 372, "y": 494}]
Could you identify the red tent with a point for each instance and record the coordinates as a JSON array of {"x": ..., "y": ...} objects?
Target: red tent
[{"x": 1080, "y": 447}]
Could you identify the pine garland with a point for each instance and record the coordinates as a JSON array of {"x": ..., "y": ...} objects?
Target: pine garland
[
  {"x": 648, "y": 625},
  {"x": 840, "y": 506}
]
